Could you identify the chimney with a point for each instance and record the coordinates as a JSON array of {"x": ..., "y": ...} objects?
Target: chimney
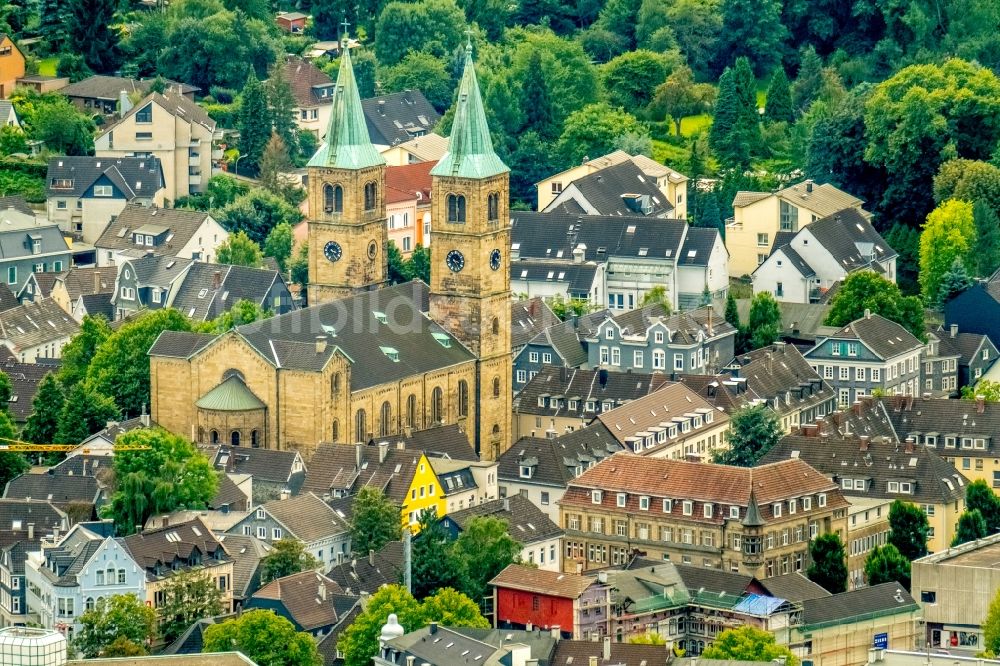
[
  {"x": 124, "y": 103},
  {"x": 31, "y": 531},
  {"x": 980, "y": 404},
  {"x": 371, "y": 557},
  {"x": 55, "y": 533},
  {"x": 602, "y": 377},
  {"x": 383, "y": 451},
  {"x": 809, "y": 186},
  {"x": 908, "y": 445},
  {"x": 607, "y": 648},
  {"x": 358, "y": 455},
  {"x": 868, "y": 313},
  {"x": 410, "y": 659},
  {"x": 856, "y": 408},
  {"x": 529, "y": 627},
  {"x": 954, "y": 330},
  {"x": 97, "y": 281},
  {"x": 865, "y": 440},
  {"x": 84, "y": 466},
  {"x": 593, "y": 660},
  {"x": 216, "y": 279},
  {"x": 321, "y": 592},
  {"x": 433, "y": 628},
  {"x": 320, "y": 344},
  {"x": 506, "y": 505},
  {"x": 578, "y": 254},
  {"x": 556, "y": 631},
  {"x": 381, "y": 107},
  {"x": 144, "y": 416}
]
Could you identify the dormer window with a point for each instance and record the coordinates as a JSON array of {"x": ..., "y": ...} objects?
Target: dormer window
[
  {"x": 776, "y": 509},
  {"x": 644, "y": 503},
  {"x": 145, "y": 114},
  {"x": 103, "y": 191},
  {"x": 658, "y": 337},
  {"x": 609, "y": 333},
  {"x": 525, "y": 472},
  {"x": 36, "y": 244},
  {"x": 596, "y": 496}
]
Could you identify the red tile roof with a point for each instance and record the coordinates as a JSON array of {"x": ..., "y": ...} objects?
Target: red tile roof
[
  {"x": 302, "y": 75},
  {"x": 552, "y": 583},
  {"x": 411, "y": 179}
]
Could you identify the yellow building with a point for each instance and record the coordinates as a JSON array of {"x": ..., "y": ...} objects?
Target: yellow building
[
  {"x": 759, "y": 216},
  {"x": 425, "y": 494},
  {"x": 11, "y": 65},
  {"x": 671, "y": 183}
]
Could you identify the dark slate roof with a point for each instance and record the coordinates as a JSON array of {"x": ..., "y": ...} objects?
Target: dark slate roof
[
  {"x": 152, "y": 548},
  {"x": 685, "y": 327},
  {"x": 793, "y": 587},
  {"x": 698, "y": 245},
  {"x": 556, "y": 235},
  {"x": 554, "y": 461},
  {"x": 779, "y": 371},
  {"x": 58, "y": 489},
  {"x": 579, "y": 653},
  {"x": 354, "y": 329},
  {"x": 578, "y": 278},
  {"x": 247, "y": 552},
  {"x": 43, "y": 283},
  {"x": 842, "y": 232},
  {"x": 14, "y": 245},
  {"x": 966, "y": 346},
  {"x": 223, "y": 286},
  {"x": 721, "y": 391},
  {"x": 132, "y": 176},
  {"x": 228, "y": 494},
  {"x": 446, "y": 441},
  {"x": 901, "y": 417},
  {"x": 24, "y": 379},
  {"x": 883, "y": 337},
  {"x": 15, "y": 514},
  {"x": 371, "y": 571},
  {"x": 89, "y": 280},
  {"x": 564, "y": 337},
  {"x": 37, "y": 323},
  {"x": 98, "y": 304},
  {"x": 528, "y": 318},
  {"x": 306, "y": 598},
  {"x": 935, "y": 481},
  {"x": 333, "y": 469},
  {"x": 860, "y": 604},
  {"x": 399, "y": 117},
  {"x": 605, "y": 190},
  {"x": 327, "y": 645},
  {"x": 584, "y": 385},
  {"x": 7, "y": 298},
  {"x": 713, "y": 580},
  {"x": 262, "y": 464},
  {"x": 16, "y": 202},
  {"x": 183, "y": 224},
  {"x": 110, "y": 87},
  {"x": 69, "y": 559},
  {"x": 526, "y": 523},
  {"x": 180, "y": 344}
]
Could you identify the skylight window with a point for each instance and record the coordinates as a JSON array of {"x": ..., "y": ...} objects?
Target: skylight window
[
  {"x": 442, "y": 339},
  {"x": 391, "y": 353}
]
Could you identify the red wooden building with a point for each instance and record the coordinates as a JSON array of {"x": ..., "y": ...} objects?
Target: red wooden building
[{"x": 526, "y": 597}]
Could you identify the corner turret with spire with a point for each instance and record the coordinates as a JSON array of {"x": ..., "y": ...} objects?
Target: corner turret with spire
[{"x": 347, "y": 225}]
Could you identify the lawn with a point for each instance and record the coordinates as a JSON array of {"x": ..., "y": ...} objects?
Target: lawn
[
  {"x": 48, "y": 66},
  {"x": 691, "y": 125},
  {"x": 667, "y": 153}
]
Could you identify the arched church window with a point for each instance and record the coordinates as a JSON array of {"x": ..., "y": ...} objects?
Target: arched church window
[
  {"x": 493, "y": 207},
  {"x": 437, "y": 406},
  {"x": 360, "y": 426},
  {"x": 463, "y": 398},
  {"x": 456, "y": 208},
  {"x": 385, "y": 420},
  {"x": 370, "y": 191}
]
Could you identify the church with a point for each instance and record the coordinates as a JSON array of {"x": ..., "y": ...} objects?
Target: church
[{"x": 366, "y": 360}]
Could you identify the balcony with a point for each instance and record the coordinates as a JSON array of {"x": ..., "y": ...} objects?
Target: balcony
[
  {"x": 217, "y": 153},
  {"x": 194, "y": 179},
  {"x": 194, "y": 159}
]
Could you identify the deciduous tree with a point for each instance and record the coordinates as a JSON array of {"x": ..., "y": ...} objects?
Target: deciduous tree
[
  {"x": 278, "y": 244},
  {"x": 258, "y": 212},
  {"x": 758, "y": 40},
  {"x": 359, "y": 642},
  {"x": 885, "y": 564},
  {"x": 420, "y": 71},
  {"x": 264, "y": 637},
  {"x": 991, "y": 626},
  {"x": 115, "y": 618},
  {"x": 980, "y": 497},
  {"x": 909, "y": 529},
  {"x": 754, "y": 430},
  {"x": 764, "y": 320},
  {"x": 80, "y": 350},
  {"x": 987, "y": 249},
  {"x": 680, "y": 96},
  {"x": 434, "y": 564},
  {"x": 748, "y": 644},
  {"x": 631, "y": 78},
  {"x": 949, "y": 234},
  {"x": 971, "y": 526},
  {"x": 485, "y": 547},
  {"x": 188, "y": 596},
  {"x": 376, "y": 521},
  {"x": 451, "y": 608},
  {"x": 287, "y": 557},
  {"x": 592, "y": 131},
  {"x": 867, "y": 290},
  {"x": 239, "y": 250},
  {"x": 84, "y": 412},
  {"x": 46, "y": 408}
]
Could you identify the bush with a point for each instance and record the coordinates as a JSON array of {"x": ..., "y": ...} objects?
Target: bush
[{"x": 222, "y": 95}]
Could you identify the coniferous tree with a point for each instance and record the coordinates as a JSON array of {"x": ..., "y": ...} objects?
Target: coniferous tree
[
  {"x": 778, "y": 103},
  {"x": 725, "y": 114},
  {"x": 54, "y": 16},
  {"x": 980, "y": 497},
  {"x": 752, "y": 29},
  {"x": 829, "y": 563},
  {"x": 732, "y": 313},
  {"x": 754, "y": 431},
  {"x": 809, "y": 81},
  {"x": 365, "y": 66},
  {"x": 535, "y": 100},
  {"x": 275, "y": 161},
  {"x": 909, "y": 529},
  {"x": 46, "y": 408},
  {"x": 953, "y": 282},
  {"x": 281, "y": 103},
  {"x": 254, "y": 122},
  {"x": 987, "y": 239},
  {"x": 92, "y": 35},
  {"x": 885, "y": 564},
  {"x": 710, "y": 215}
]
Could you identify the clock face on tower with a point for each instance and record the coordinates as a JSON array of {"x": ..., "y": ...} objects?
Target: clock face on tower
[
  {"x": 372, "y": 249},
  {"x": 455, "y": 261},
  {"x": 495, "y": 260},
  {"x": 332, "y": 251}
]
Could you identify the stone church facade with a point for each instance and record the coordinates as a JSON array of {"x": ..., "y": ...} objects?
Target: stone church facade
[{"x": 366, "y": 360}]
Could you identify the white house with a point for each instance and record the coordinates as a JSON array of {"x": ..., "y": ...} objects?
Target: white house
[{"x": 175, "y": 232}]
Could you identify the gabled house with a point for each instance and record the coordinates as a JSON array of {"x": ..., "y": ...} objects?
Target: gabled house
[
  {"x": 85, "y": 290},
  {"x": 700, "y": 276},
  {"x": 526, "y": 523},
  {"x": 465, "y": 483},
  {"x": 36, "y": 287},
  {"x": 976, "y": 354},
  {"x": 868, "y": 354},
  {"x": 805, "y": 266},
  {"x": 560, "y": 344},
  {"x": 430, "y": 147},
  {"x": 574, "y": 281},
  {"x": 84, "y": 194},
  {"x": 671, "y": 184},
  {"x": 170, "y": 232},
  {"x": 539, "y": 469},
  {"x": 23, "y": 525},
  {"x": 941, "y": 356},
  {"x": 8, "y": 115},
  {"x": 398, "y": 117},
  {"x": 309, "y": 600},
  {"x": 71, "y": 577},
  {"x": 408, "y": 205},
  {"x": 275, "y": 473},
  {"x": 15, "y": 204},
  {"x": 201, "y": 291},
  {"x": 323, "y": 532},
  {"x": 79, "y": 495},
  {"x": 976, "y": 309},
  {"x": 247, "y": 553},
  {"x": 11, "y": 65},
  {"x": 293, "y": 22},
  {"x": 621, "y": 189},
  {"x": 367, "y": 572},
  {"x": 35, "y": 249},
  {"x": 528, "y": 318},
  {"x": 758, "y": 217},
  {"x": 576, "y": 606},
  {"x": 24, "y": 379},
  {"x": 36, "y": 330},
  {"x": 174, "y": 129},
  {"x": 104, "y": 94},
  {"x": 312, "y": 90},
  {"x": 650, "y": 339}
]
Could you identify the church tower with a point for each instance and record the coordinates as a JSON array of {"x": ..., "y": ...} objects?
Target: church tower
[
  {"x": 470, "y": 269},
  {"x": 347, "y": 227}
]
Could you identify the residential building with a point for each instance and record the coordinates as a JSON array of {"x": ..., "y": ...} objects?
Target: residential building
[
  {"x": 976, "y": 309},
  {"x": 311, "y": 88},
  {"x": 24, "y": 380},
  {"x": 539, "y": 469},
  {"x": 637, "y": 253},
  {"x": 161, "y": 232},
  {"x": 871, "y": 353},
  {"x": 436, "y": 645},
  {"x": 36, "y": 331},
  {"x": 651, "y": 339},
  {"x": 70, "y": 486},
  {"x": 940, "y": 371},
  {"x": 104, "y": 94},
  {"x": 430, "y": 147},
  {"x": 8, "y": 115},
  {"x": 85, "y": 290},
  {"x": 801, "y": 323},
  {"x": 200, "y": 291},
  {"x": 465, "y": 483},
  {"x": 309, "y": 600},
  {"x": 16, "y": 207},
  {"x": 803, "y": 267},
  {"x": 608, "y": 653},
  {"x": 526, "y": 523},
  {"x": 557, "y": 401},
  {"x": 576, "y": 606},
  {"x": 397, "y": 118},
  {"x": 759, "y": 216},
  {"x": 164, "y": 552},
  {"x": 672, "y": 422},
  {"x": 34, "y": 249},
  {"x": 69, "y": 578},
  {"x": 867, "y": 528},
  {"x": 306, "y": 518},
  {"x": 84, "y": 194},
  {"x": 578, "y": 281},
  {"x": 841, "y": 630},
  {"x": 758, "y": 521},
  {"x": 275, "y": 474},
  {"x": 528, "y": 318},
  {"x": 365, "y": 575},
  {"x": 955, "y": 587},
  {"x": 247, "y": 553},
  {"x": 11, "y": 65},
  {"x": 36, "y": 287},
  {"x": 24, "y": 524},
  {"x": 869, "y": 467},
  {"x": 174, "y": 129},
  {"x": 43, "y": 84},
  {"x": 558, "y": 345},
  {"x": 780, "y": 376},
  {"x": 620, "y": 189},
  {"x": 293, "y": 22},
  {"x": 408, "y": 205},
  {"x": 976, "y": 356},
  {"x": 671, "y": 184}
]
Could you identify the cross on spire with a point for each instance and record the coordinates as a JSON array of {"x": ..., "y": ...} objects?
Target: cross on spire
[
  {"x": 468, "y": 38},
  {"x": 345, "y": 25}
]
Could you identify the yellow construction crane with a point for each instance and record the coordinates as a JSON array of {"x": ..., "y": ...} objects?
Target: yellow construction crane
[{"x": 28, "y": 447}]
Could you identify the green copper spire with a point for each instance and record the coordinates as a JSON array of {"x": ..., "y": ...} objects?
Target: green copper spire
[
  {"x": 470, "y": 148},
  {"x": 348, "y": 145}
]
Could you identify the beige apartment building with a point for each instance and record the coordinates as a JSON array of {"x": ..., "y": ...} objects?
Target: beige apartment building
[
  {"x": 755, "y": 521},
  {"x": 174, "y": 129},
  {"x": 758, "y": 217},
  {"x": 672, "y": 184}
]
